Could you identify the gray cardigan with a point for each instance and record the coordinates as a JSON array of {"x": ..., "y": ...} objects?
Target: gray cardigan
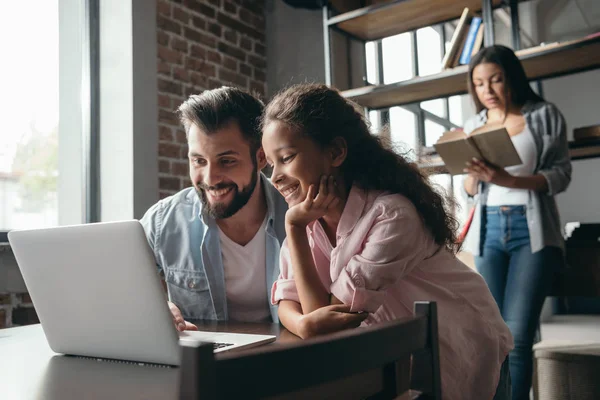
[{"x": 549, "y": 130}]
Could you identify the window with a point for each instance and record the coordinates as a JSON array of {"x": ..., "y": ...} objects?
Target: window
[{"x": 29, "y": 115}]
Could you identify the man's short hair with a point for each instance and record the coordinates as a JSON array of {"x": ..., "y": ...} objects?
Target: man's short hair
[{"x": 213, "y": 109}]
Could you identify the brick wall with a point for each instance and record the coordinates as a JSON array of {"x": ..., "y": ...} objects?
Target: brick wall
[{"x": 202, "y": 44}]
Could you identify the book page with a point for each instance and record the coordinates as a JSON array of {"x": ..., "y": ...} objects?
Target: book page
[
  {"x": 449, "y": 136},
  {"x": 496, "y": 147},
  {"x": 456, "y": 153}
]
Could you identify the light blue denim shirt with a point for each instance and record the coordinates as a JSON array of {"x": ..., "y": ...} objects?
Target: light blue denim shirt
[
  {"x": 187, "y": 249},
  {"x": 549, "y": 130}
]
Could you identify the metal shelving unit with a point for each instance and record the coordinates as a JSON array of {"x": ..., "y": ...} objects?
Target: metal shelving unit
[{"x": 391, "y": 17}]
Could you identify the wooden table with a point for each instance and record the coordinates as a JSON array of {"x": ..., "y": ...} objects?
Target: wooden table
[{"x": 30, "y": 370}]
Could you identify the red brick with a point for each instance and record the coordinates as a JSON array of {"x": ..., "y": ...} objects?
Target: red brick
[
  {"x": 164, "y": 68},
  {"x": 181, "y": 74},
  {"x": 183, "y": 152},
  {"x": 260, "y": 49},
  {"x": 216, "y": 3},
  {"x": 260, "y": 75},
  {"x": 190, "y": 90},
  {"x": 231, "y": 36},
  {"x": 213, "y": 56},
  {"x": 199, "y": 37},
  {"x": 162, "y": 38},
  {"x": 214, "y": 84},
  {"x": 257, "y": 7},
  {"x": 246, "y": 43},
  {"x": 169, "y": 55},
  {"x": 181, "y": 15},
  {"x": 168, "y": 24},
  {"x": 233, "y": 77},
  {"x": 257, "y": 62},
  {"x": 230, "y": 7},
  {"x": 169, "y": 86},
  {"x": 197, "y": 51},
  {"x": 164, "y": 101},
  {"x": 215, "y": 29},
  {"x": 258, "y": 22},
  {"x": 169, "y": 150},
  {"x": 232, "y": 51},
  {"x": 165, "y": 134},
  {"x": 239, "y": 27},
  {"x": 196, "y": 65},
  {"x": 169, "y": 183},
  {"x": 167, "y": 117},
  {"x": 179, "y": 44},
  {"x": 164, "y": 166},
  {"x": 201, "y": 8},
  {"x": 181, "y": 137},
  {"x": 199, "y": 23},
  {"x": 198, "y": 79},
  {"x": 164, "y": 8},
  {"x": 245, "y": 70},
  {"x": 230, "y": 63},
  {"x": 179, "y": 168},
  {"x": 246, "y": 16}
]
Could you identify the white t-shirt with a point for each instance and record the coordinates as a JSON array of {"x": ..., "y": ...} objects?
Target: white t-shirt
[
  {"x": 245, "y": 277},
  {"x": 503, "y": 196}
]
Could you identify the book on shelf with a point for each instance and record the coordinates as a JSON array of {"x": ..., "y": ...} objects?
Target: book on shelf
[
  {"x": 471, "y": 37},
  {"x": 586, "y": 133},
  {"x": 488, "y": 143},
  {"x": 478, "y": 40},
  {"x": 458, "y": 38}
]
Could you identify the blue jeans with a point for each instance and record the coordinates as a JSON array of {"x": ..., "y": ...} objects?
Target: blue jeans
[{"x": 519, "y": 282}]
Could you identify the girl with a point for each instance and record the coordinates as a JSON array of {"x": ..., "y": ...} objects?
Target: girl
[
  {"x": 367, "y": 234},
  {"x": 516, "y": 234}
]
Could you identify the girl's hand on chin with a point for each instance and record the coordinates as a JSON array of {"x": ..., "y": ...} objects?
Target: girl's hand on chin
[{"x": 315, "y": 205}]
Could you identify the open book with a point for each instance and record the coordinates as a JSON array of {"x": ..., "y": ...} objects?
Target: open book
[{"x": 489, "y": 143}]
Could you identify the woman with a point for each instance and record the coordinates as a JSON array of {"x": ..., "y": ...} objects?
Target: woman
[
  {"x": 516, "y": 235},
  {"x": 367, "y": 236}
]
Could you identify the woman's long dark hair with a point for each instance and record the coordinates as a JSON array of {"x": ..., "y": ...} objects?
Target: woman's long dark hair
[
  {"x": 322, "y": 114},
  {"x": 516, "y": 85}
]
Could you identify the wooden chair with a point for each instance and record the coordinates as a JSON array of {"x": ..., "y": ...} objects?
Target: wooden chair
[{"x": 373, "y": 362}]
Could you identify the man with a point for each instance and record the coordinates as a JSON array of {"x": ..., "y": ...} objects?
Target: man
[{"x": 217, "y": 243}]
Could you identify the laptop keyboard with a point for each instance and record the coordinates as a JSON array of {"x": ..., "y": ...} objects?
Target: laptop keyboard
[{"x": 221, "y": 345}]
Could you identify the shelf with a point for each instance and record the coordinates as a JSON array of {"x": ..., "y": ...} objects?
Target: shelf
[
  {"x": 539, "y": 63},
  {"x": 578, "y": 151},
  {"x": 388, "y": 18},
  {"x": 447, "y": 83}
]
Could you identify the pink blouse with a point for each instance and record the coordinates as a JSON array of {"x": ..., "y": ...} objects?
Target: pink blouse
[{"x": 385, "y": 260}]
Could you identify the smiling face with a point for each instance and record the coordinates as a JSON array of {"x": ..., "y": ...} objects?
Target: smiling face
[
  {"x": 223, "y": 169},
  {"x": 297, "y": 161},
  {"x": 489, "y": 83}
]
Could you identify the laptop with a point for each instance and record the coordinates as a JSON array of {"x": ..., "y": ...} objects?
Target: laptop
[{"x": 97, "y": 293}]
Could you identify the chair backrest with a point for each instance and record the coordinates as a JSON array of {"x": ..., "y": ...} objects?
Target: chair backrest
[{"x": 373, "y": 362}]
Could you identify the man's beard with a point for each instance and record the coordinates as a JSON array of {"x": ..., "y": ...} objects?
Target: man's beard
[{"x": 240, "y": 198}]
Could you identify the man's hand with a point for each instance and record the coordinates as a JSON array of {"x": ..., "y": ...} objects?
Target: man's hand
[
  {"x": 315, "y": 205},
  {"x": 329, "y": 319},
  {"x": 178, "y": 320},
  {"x": 489, "y": 173}
]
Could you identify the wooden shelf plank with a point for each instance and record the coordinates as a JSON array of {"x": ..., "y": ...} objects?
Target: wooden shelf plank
[
  {"x": 547, "y": 61},
  {"x": 388, "y": 18},
  {"x": 446, "y": 83}
]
